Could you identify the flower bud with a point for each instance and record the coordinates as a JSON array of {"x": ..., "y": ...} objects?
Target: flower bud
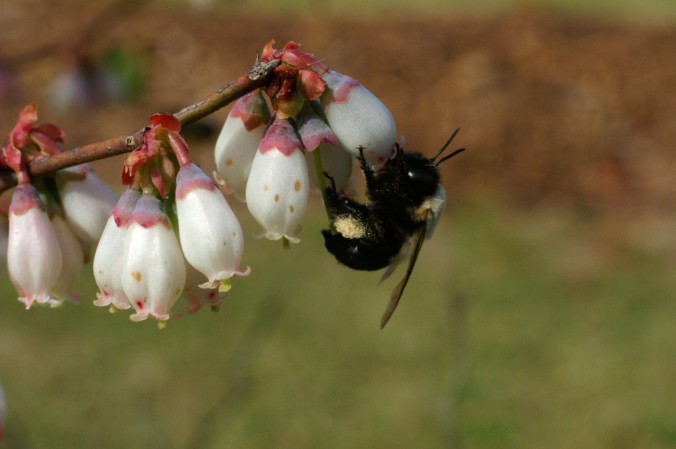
[
  {"x": 33, "y": 253},
  {"x": 73, "y": 261},
  {"x": 87, "y": 200},
  {"x": 359, "y": 119},
  {"x": 153, "y": 270},
  {"x": 278, "y": 187},
  {"x": 197, "y": 297},
  {"x": 211, "y": 237},
  {"x": 237, "y": 144},
  {"x": 108, "y": 258}
]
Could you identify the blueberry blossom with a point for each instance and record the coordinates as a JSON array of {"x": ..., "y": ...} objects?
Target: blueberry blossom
[
  {"x": 278, "y": 187},
  {"x": 197, "y": 297},
  {"x": 108, "y": 258},
  {"x": 33, "y": 253},
  {"x": 238, "y": 141},
  {"x": 358, "y": 118},
  {"x": 211, "y": 237},
  {"x": 87, "y": 201},
  {"x": 153, "y": 270}
]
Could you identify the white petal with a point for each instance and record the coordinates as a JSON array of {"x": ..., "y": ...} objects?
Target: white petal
[
  {"x": 277, "y": 193},
  {"x": 108, "y": 258},
  {"x": 235, "y": 151},
  {"x": 33, "y": 252},
  {"x": 362, "y": 121},
  {"x": 211, "y": 237},
  {"x": 87, "y": 202},
  {"x": 153, "y": 272}
]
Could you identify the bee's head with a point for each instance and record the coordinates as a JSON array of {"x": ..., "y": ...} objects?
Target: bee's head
[{"x": 420, "y": 175}]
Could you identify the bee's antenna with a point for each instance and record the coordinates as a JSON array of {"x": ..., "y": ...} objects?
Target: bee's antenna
[
  {"x": 455, "y": 133},
  {"x": 455, "y": 153}
]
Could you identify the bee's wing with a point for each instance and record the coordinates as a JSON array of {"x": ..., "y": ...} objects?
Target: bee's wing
[
  {"x": 403, "y": 255},
  {"x": 417, "y": 239}
]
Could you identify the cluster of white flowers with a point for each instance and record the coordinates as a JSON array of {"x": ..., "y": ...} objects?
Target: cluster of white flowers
[
  {"x": 172, "y": 233},
  {"x": 140, "y": 262},
  {"x": 264, "y": 157}
]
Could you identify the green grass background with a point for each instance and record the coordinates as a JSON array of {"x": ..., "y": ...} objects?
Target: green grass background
[{"x": 515, "y": 331}]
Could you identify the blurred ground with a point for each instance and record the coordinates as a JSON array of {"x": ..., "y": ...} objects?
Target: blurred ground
[{"x": 557, "y": 259}]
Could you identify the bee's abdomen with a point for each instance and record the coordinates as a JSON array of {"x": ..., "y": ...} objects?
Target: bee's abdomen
[{"x": 369, "y": 254}]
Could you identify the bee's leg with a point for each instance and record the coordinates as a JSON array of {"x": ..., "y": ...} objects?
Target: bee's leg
[
  {"x": 366, "y": 169},
  {"x": 333, "y": 181}
]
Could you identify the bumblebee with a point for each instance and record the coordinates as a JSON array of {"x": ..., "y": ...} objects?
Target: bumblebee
[{"x": 406, "y": 201}]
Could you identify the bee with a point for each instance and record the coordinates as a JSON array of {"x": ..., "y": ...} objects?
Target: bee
[{"x": 406, "y": 201}]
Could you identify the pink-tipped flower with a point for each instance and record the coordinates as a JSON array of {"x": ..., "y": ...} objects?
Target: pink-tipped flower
[
  {"x": 237, "y": 144},
  {"x": 87, "y": 201},
  {"x": 108, "y": 258},
  {"x": 211, "y": 237},
  {"x": 153, "y": 270},
  {"x": 359, "y": 118},
  {"x": 197, "y": 297},
  {"x": 73, "y": 261},
  {"x": 33, "y": 252},
  {"x": 278, "y": 187}
]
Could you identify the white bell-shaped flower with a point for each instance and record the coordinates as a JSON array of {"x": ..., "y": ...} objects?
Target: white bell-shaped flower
[
  {"x": 153, "y": 270},
  {"x": 197, "y": 297},
  {"x": 359, "y": 119},
  {"x": 73, "y": 261},
  {"x": 337, "y": 162},
  {"x": 33, "y": 252},
  {"x": 238, "y": 141},
  {"x": 108, "y": 258},
  {"x": 87, "y": 201},
  {"x": 211, "y": 237},
  {"x": 278, "y": 187}
]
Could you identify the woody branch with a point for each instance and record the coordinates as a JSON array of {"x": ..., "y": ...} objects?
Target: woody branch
[{"x": 257, "y": 77}]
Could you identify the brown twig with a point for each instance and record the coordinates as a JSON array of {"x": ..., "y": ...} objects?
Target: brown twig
[{"x": 257, "y": 77}]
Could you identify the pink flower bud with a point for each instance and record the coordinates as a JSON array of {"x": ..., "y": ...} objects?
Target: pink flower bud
[
  {"x": 237, "y": 144},
  {"x": 86, "y": 200},
  {"x": 108, "y": 258},
  {"x": 33, "y": 253},
  {"x": 73, "y": 261},
  {"x": 153, "y": 270},
  {"x": 211, "y": 237},
  {"x": 278, "y": 187},
  {"x": 359, "y": 118}
]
